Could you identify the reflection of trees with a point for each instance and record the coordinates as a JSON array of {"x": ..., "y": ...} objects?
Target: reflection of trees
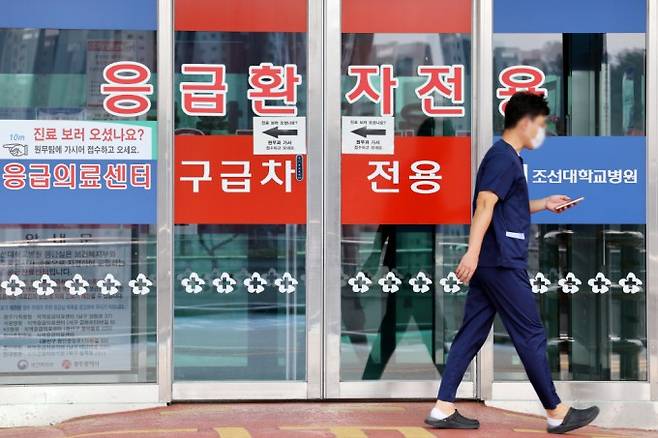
[
  {"x": 548, "y": 58},
  {"x": 628, "y": 66}
]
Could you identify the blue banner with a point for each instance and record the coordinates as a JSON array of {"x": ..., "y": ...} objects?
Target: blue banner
[
  {"x": 79, "y": 192},
  {"x": 569, "y": 16},
  {"x": 608, "y": 171},
  {"x": 80, "y": 14},
  {"x": 78, "y": 172}
]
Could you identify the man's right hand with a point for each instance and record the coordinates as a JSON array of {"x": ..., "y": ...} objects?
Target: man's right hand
[{"x": 466, "y": 267}]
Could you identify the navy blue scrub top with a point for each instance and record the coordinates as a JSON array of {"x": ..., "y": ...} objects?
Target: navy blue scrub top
[{"x": 505, "y": 242}]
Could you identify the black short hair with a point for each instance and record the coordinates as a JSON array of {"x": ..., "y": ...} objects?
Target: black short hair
[{"x": 523, "y": 104}]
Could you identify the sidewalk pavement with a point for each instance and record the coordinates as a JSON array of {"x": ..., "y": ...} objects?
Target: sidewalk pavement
[{"x": 299, "y": 420}]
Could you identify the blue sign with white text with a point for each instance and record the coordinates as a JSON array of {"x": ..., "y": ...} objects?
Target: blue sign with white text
[{"x": 608, "y": 171}]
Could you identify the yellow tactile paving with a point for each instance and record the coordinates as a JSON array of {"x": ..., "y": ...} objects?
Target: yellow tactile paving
[{"x": 132, "y": 431}]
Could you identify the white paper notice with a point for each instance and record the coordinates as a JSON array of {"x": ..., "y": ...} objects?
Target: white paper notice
[
  {"x": 368, "y": 135},
  {"x": 279, "y": 135},
  {"x": 76, "y": 140},
  {"x": 61, "y": 332}
]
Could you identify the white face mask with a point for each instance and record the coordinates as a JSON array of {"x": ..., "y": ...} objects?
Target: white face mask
[{"x": 538, "y": 139}]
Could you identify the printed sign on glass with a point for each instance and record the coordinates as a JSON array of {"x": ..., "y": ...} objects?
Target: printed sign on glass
[
  {"x": 95, "y": 334},
  {"x": 608, "y": 171},
  {"x": 426, "y": 181},
  {"x": 368, "y": 135},
  {"x": 220, "y": 180},
  {"x": 279, "y": 135},
  {"x": 78, "y": 172},
  {"x": 395, "y": 179},
  {"x": 242, "y": 179}
]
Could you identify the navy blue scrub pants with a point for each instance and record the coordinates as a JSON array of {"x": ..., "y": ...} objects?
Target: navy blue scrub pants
[{"x": 508, "y": 292}]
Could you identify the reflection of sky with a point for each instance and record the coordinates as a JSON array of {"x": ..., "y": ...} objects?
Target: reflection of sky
[
  {"x": 525, "y": 41},
  {"x": 619, "y": 42},
  {"x": 432, "y": 42},
  {"x": 615, "y": 42}
]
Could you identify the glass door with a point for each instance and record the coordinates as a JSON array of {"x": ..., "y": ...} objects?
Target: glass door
[
  {"x": 241, "y": 307},
  {"x": 587, "y": 266},
  {"x": 399, "y": 162},
  {"x": 78, "y": 129}
]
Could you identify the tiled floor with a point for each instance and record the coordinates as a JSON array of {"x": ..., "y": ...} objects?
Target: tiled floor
[{"x": 298, "y": 420}]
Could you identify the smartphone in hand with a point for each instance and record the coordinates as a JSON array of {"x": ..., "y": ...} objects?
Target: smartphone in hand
[{"x": 569, "y": 203}]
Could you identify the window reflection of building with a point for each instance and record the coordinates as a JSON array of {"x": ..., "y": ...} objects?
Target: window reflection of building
[
  {"x": 595, "y": 86},
  {"x": 402, "y": 335},
  {"x": 55, "y": 74},
  {"x": 604, "y": 73},
  {"x": 237, "y": 51},
  {"x": 239, "y": 335},
  {"x": 45, "y": 74},
  {"x": 405, "y": 52}
]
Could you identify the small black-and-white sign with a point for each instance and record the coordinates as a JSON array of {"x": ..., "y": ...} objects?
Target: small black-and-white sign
[
  {"x": 279, "y": 135},
  {"x": 368, "y": 135}
]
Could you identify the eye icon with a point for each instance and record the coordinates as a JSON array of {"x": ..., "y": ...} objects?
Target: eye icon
[{"x": 16, "y": 149}]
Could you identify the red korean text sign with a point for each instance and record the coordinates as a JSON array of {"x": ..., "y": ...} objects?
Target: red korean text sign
[
  {"x": 220, "y": 181},
  {"x": 426, "y": 181}
]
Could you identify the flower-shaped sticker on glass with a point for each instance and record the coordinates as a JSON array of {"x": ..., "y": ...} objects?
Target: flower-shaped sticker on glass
[
  {"x": 255, "y": 283},
  {"x": 390, "y": 283},
  {"x": 14, "y": 286},
  {"x": 599, "y": 283},
  {"x": 224, "y": 283},
  {"x": 44, "y": 286},
  {"x": 539, "y": 283},
  {"x": 630, "y": 284},
  {"x": 360, "y": 283},
  {"x": 77, "y": 286},
  {"x": 140, "y": 285},
  {"x": 569, "y": 284},
  {"x": 286, "y": 283},
  {"x": 420, "y": 283},
  {"x": 193, "y": 284},
  {"x": 451, "y": 283},
  {"x": 109, "y": 285}
]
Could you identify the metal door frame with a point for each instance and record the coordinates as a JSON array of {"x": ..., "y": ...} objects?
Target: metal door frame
[
  {"x": 483, "y": 385},
  {"x": 604, "y": 391},
  {"x": 323, "y": 243},
  {"x": 323, "y": 259},
  {"x": 311, "y": 388},
  {"x": 334, "y": 387}
]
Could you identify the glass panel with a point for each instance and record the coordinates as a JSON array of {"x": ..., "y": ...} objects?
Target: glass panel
[
  {"x": 77, "y": 261},
  {"x": 240, "y": 306},
  {"x": 399, "y": 304},
  {"x": 543, "y": 51},
  {"x": 404, "y": 335},
  {"x": 605, "y": 74},
  {"x": 588, "y": 271},
  {"x": 591, "y": 335},
  {"x": 405, "y": 52}
]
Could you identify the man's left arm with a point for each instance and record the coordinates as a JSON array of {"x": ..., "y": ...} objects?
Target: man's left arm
[{"x": 549, "y": 203}]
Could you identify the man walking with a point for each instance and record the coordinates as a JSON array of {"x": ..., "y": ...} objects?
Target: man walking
[{"x": 495, "y": 268}]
